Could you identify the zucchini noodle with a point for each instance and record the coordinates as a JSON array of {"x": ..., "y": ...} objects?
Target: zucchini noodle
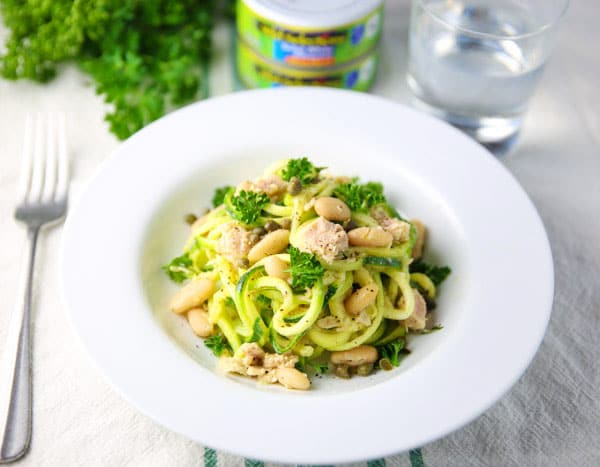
[{"x": 313, "y": 291}]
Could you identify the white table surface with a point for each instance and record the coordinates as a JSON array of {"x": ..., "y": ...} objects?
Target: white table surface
[{"x": 550, "y": 417}]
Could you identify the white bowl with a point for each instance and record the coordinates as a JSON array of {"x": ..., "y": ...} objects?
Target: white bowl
[{"x": 494, "y": 307}]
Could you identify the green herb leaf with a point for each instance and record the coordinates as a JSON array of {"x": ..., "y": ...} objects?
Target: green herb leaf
[
  {"x": 331, "y": 290},
  {"x": 437, "y": 274},
  {"x": 218, "y": 344},
  {"x": 305, "y": 269},
  {"x": 257, "y": 331},
  {"x": 361, "y": 197},
  {"x": 180, "y": 268},
  {"x": 247, "y": 206},
  {"x": 305, "y": 364},
  {"x": 391, "y": 351},
  {"x": 320, "y": 368},
  {"x": 219, "y": 195},
  {"x": 302, "y": 169}
]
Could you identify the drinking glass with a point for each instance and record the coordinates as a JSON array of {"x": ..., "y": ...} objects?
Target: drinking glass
[{"x": 476, "y": 63}]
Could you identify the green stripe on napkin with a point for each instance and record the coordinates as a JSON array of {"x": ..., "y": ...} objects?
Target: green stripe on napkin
[
  {"x": 376, "y": 463},
  {"x": 251, "y": 463},
  {"x": 416, "y": 458},
  {"x": 210, "y": 457}
]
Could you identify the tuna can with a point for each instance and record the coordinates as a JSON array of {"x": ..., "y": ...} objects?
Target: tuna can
[
  {"x": 310, "y": 33},
  {"x": 255, "y": 71}
]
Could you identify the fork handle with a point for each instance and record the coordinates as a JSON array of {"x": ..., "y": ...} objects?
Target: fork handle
[{"x": 15, "y": 368}]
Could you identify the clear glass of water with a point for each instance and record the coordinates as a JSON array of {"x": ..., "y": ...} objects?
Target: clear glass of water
[{"x": 476, "y": 63}]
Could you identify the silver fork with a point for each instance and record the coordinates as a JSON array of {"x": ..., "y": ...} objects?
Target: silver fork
[{"x": 43, "y": 198}]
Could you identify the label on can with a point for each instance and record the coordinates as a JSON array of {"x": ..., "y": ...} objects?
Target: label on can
[
  {"x": 304, "y": 47},
  {"x": 256, "y": 72}
]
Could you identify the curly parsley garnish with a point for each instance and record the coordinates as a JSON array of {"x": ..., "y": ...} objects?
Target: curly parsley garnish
[
  {"x": 302, "y": 169},
  {"x": 180, "y": 268},
  {"x": 437, "y": 274},
  {"x": 218, "y": 344},
  {"x": 392, "y": 351},
  {"x": 219, "y": 195},
  {"x": 247, "y": 206},
  {"x": 305, "y": 269},
  {"x": 361, "y": 197}
]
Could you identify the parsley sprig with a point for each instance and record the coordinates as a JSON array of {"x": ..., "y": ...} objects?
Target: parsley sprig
[
  {"x": 180, "y": 268},
  {"x": 218, "y": 344},
  {"x": 305, "y": 269},
  {"x": 361, "y": 197},
  {"x": 437, "y": 274},
  {"x": 246, "y": 206},
  {"x": 302, "y": 169},
  {"x": 219, "y": 195},
  {"x": 393, "y": 351}
]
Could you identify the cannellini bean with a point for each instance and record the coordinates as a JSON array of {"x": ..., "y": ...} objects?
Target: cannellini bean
[
  {"x": 192, "y": 295},
  {"x": 276, "y": 267},
  {"x": 355, "y": 357},
  {"x": 417, "y": 250},
  {"x": 332, "y": 209},
  {"x": 361, "y": 299},
  {"x": 370, "y": 237},
  {"x": 292, "y": 378},
  {"x": 198, "y": 319},
  {"x": 272, "y": 243}
]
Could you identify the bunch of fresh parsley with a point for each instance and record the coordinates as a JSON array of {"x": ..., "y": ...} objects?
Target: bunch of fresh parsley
[{"x": 145, "y": 56}]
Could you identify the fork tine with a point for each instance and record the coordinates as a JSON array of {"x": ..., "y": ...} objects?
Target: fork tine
[
  {"x": 37, "y": 174},
  {"x": 26, "y": 160},
  {"x": 50, "y": 169},
  {"x": 62, "y": 185}
]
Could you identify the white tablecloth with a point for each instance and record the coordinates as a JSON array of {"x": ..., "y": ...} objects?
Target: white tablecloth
[{"x": 552, "y": 415}]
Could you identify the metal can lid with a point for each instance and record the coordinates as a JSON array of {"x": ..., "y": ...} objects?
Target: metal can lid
[{"x": 313, "y": 14}]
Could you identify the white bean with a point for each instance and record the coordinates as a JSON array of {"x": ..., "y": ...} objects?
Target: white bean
[
  {"x": 356, "y": 356},
  {"x": 370, "y": 237},
  {"x": 292, "y": 378},
  {"x": 198, "y": 319},
  {"x": 332, "y": 209},
  {"x": 361, "y": 299},
  {"x": 192, "y": 295},
  {"x": 276, "y": 267},
  {"x": 272, "y": 243}
]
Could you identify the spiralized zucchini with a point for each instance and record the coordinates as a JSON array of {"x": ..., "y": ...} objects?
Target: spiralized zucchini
[{"x": 303, "y": 263}]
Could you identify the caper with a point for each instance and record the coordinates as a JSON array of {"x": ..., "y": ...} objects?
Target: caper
[
  {"x": 295, "y": 186},
  {"x": 364, "y": 370},
  {"x": 253, "y": 238},
  {"x": 271, "y": 226},
  {"x": 342, "y": 371},
  {"x": 285, "y": 223},
  {"x": 385, "y": 364},
  {"x": 190, "y": 219},
  {"x": 351, "y": 225},
  {"x": 259, "y": 231},
  {"x": 243, "y": 263}
]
